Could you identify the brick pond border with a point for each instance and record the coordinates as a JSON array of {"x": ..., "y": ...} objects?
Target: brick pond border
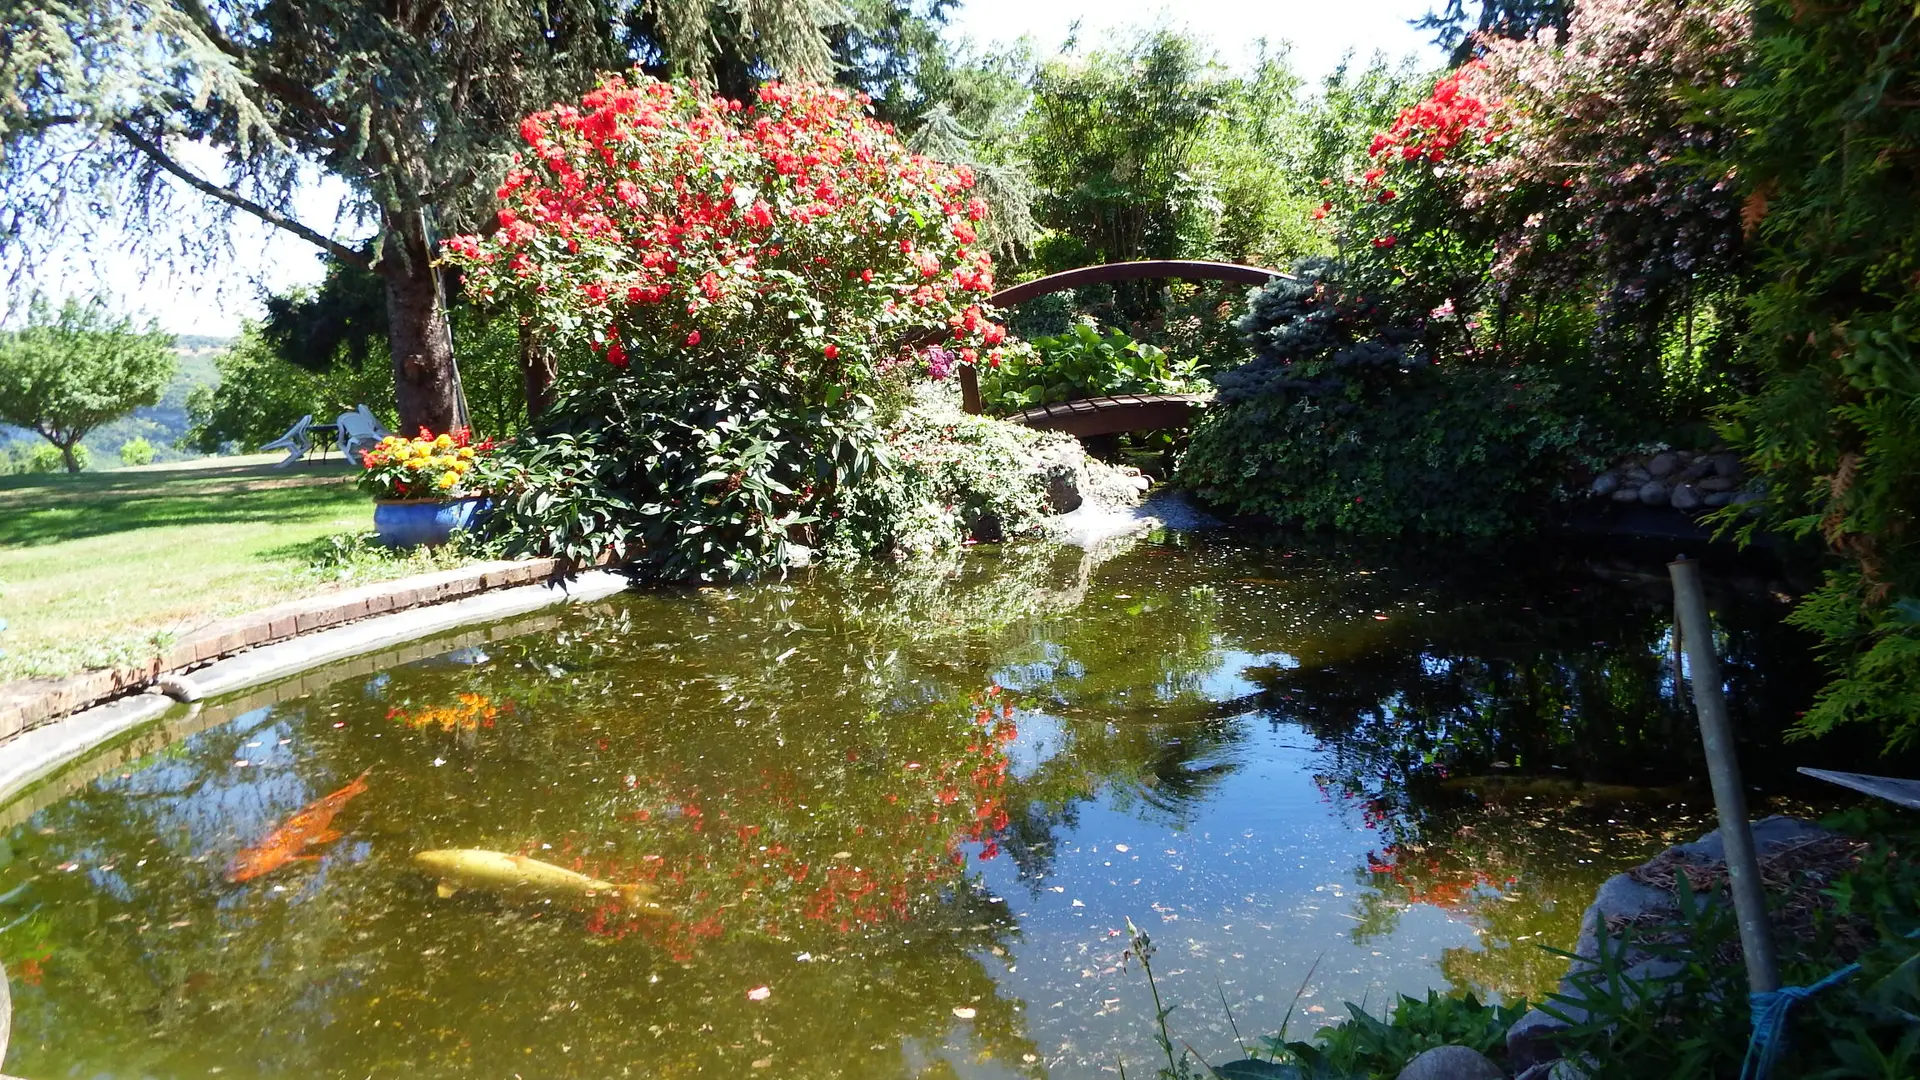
[{"x": 47, "y": 723}]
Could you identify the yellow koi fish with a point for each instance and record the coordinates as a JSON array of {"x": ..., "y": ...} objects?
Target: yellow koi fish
[{"x": 496, "y": 871}]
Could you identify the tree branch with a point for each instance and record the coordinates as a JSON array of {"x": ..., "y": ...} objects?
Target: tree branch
[
  {"x": 240, "y": 202},
  {"x": 197, "y": 11}
]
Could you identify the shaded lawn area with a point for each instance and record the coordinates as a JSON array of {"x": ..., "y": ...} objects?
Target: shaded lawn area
[{"x": 95, "y": 568}]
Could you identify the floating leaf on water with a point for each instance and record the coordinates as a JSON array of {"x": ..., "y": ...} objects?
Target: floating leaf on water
[
  {"x": 759, "y": 993},
  {"x": 965, "y": 1012}
]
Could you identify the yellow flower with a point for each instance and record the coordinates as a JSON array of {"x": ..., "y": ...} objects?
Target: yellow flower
[
  {"x": 449, "y": 480},
  {"x": 443, "y": 441},
  {"x": 466, "y": 453},
  {"x": 460, "y": 467}
]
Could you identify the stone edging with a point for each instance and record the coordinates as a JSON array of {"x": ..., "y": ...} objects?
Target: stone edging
[
  {"x": 36, "y": 754},
  {"x": 27, "y": 703}
]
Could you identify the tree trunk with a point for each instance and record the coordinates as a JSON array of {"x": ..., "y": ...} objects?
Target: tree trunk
[
  {"x": 66, "y": 452},
  {"x": 423, "y": 383},
  {"x": 538, "y": 367}
]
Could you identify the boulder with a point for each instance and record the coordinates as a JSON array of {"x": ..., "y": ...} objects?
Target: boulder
[
  {"x": 1064, "y": 467},
  {"x": 1530, "y": 1040},
  {"x": 1728, "y": 465},
  {"x": 1636, "y": 474},
  {"x": 1686, "y": 497},
  {"x": 1719, "y": 483},
  {"x": 1451, "y": 1063},
  {"x": 1663, "y": 465},
  {"x": 1718, "y": 499},
  {"x": 1696, "y": 469},
  {"x": 1605, "y": 484},
  {"x": 1654, "y": 493},
  {"x": 1626, "y": 494}
]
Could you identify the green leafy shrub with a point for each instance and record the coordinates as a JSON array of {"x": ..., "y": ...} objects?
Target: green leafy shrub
[
  {"x": 948, "y": 477},
  {"x": 724, "y": 282},
  {"x": 46, "y": 458},
  {"x": 136, "y": 451},
  {"x": 1081, "y": 363},
  {"x": 1344, "y": 421},
  {"x": 1365, "y": 1047}
]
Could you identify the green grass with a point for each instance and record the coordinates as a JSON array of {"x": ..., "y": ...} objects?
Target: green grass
[{"x": 100, "y": 568}]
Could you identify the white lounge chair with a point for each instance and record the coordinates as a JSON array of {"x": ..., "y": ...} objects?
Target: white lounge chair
[
  {"x": 294, "y": 442},
  {"x": 359, "y": 430}
]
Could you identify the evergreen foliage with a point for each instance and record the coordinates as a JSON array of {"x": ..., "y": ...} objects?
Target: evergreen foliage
[
  {"x": 1831, "y": 158},
  {"x": 1343, "y": 420}
]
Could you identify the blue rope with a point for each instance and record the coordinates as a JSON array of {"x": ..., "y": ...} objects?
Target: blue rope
[{"x": 1770, "y": 1021}]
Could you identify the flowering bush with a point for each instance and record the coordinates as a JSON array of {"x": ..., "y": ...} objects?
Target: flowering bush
[
  {"x": 428, "y": 466},
  {"x": 1551, "y": 175},
  {"x": 736, "y": 272},
  {"x": 675, "y": 230}
]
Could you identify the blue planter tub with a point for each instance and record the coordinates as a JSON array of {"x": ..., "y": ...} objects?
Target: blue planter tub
[{"x": 417, "y": 522}]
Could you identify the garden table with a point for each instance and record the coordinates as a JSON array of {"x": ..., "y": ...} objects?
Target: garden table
[{"x": 331, "y": 431}]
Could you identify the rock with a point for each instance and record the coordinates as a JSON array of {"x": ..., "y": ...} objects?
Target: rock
[
  {"x": 1745, "y": 497},
  {"x": 1626, "y": 495},
  {"x": 1451, "y": 1063},
  {"x": 1663, "y": 464},
  {"x": 799, "y": 556},
  {"x": 1530, "y": 1041},
  {"x": 1654, "y": 493},
  {"x": 1719, "y": 499},
  {"x": 1719, "y": 483},
  {"x": 987, "y": 529},
  {"x": 1636, "y": 474},
  {"x": 1605, "y": 484},
  {"x": 1727, "y": 465},
  {"x": 1063, "y": 466},
  {"x": 1685, "y": 497},
  {"x": 1695, "y": 470}
]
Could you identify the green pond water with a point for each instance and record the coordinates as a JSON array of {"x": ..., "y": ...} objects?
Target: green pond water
[{"x": 895, "y": 822}]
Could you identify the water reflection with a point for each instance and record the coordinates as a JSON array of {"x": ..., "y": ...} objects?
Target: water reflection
[{"x": 896, "y": 821}]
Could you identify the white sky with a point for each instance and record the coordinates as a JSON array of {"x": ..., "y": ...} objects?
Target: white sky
[{"x": 213, "y": 301}]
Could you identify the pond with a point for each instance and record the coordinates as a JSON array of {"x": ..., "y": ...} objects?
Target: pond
[{"x": 888, "y": 824}]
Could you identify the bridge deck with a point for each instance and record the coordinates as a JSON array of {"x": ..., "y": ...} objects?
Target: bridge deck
[{"x": 1113, "y": 415}]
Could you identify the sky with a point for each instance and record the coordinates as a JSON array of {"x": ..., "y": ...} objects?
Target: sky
[{"x": 213, "y": 299}]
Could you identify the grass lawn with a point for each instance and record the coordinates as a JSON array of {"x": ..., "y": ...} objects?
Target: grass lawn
[{"x": 100, "y": 567}]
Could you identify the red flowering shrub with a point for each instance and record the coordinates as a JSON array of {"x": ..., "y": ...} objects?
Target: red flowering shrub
[
  {"x": 726, "y": 278},
  {"x": 665, "y": 228}
]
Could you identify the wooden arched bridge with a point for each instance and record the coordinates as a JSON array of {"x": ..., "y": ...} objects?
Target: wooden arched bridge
[{"x": 1088, "y": 417}]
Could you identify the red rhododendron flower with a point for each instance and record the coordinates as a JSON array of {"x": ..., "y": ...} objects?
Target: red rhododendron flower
[{"x": 644, "y": 191}]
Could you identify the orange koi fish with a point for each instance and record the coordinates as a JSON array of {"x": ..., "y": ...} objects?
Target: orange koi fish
[{"x": 312, "y": 825}]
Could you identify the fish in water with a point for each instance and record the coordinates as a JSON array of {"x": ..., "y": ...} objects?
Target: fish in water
[
  {"x": 312, "y": 825},
  {"x": 469, "y": 868}
]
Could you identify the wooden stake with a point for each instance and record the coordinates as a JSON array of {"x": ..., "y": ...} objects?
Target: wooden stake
[{"x": 1723, "y": 768}]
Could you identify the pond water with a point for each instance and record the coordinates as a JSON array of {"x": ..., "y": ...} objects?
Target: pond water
[{"x": 895, "y": 823}]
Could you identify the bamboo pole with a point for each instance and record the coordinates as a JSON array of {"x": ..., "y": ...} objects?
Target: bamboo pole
[{"x": 1723, "y": 769}]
